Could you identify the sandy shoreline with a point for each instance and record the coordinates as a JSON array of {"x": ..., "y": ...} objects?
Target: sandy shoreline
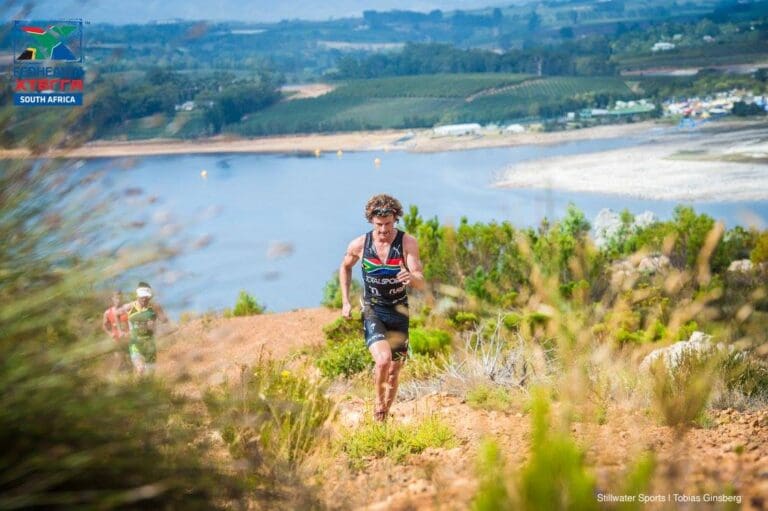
[
  {"x": 385, "y": 140},
  {"x": 727, "y": 163}
]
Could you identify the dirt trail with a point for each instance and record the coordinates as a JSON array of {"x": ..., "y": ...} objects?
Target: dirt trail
[
  {"x": 208, "y": 351},
  {"x": 731, "y": 453}
]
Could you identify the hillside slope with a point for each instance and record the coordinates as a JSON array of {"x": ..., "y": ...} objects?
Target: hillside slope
[{"x": 731, "y": 452}]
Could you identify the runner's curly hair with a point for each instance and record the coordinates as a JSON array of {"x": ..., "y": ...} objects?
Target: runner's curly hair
[{"x": 383, "y": 202}]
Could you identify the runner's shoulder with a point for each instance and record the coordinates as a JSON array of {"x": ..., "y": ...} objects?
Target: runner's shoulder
[
  {"x": 355, "y": 246},
  {"x": 409, "y": 241}
]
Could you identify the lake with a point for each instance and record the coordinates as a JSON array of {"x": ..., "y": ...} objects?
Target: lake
[{"x": 278, "y": 225}]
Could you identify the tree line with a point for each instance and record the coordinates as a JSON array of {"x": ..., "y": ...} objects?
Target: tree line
[{"x": 583, "y": 57}]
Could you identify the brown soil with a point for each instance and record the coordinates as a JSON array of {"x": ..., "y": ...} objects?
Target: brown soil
[
  {"x": 731, "y": 454},
  {"x": 211, "y": 350}
]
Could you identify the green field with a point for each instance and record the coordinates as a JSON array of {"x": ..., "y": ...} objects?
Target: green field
[
  {"x": 334, "y": 113},
  {"x": 424, "y": 101},
  {"x": 698, "y": 56},
  {"x": 428, "y": 86}
]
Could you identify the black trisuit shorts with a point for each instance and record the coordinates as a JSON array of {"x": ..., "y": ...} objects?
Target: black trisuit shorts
[{"x": 387, "y": 323}]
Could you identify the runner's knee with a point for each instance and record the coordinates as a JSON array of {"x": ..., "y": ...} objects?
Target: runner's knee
[{"x": 384, "y": 362}]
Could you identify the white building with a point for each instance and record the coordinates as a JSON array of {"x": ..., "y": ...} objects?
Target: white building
[
  {"x": 187, "y": 106},
  {"x": 514, "y": 128},
  {"x": 662, "y": 46},
  {"x": 457, "y": 129}
]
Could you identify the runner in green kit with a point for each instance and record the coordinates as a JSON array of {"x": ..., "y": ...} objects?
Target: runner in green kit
[{"x": 142, "y": 322}]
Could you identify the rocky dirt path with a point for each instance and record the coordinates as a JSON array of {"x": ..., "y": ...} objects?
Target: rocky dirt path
[{"x": 731, "y": 453}]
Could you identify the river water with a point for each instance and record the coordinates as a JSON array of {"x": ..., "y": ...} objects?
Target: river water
[{"x": 277, "y": 226}]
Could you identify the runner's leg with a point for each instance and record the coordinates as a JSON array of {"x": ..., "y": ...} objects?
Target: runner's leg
[
  {"x": 393, "y": 380},
  {"x": 137, "y": 359},
  {"x": 382, "y": 356}
]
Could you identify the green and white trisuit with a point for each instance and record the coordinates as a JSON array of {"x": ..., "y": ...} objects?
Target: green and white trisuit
[{"x": 142, "y": 321}]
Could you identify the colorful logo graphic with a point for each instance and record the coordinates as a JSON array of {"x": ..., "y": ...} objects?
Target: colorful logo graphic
[
  {"x": 48, "y": 68},
  {"x": 56, "y": 41}
]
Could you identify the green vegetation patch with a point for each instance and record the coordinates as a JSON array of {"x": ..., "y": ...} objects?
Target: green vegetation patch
[
  {"x": 332, "y": 112},
  {"x": 394, "y": 441},
  {"x": 342, "y": 329},
  {"x": 428, "y": 86},
  {"x": 246, "y": 305},
  {"x": 488, "y": 397},
  {"x": 555, "y": 476},
  {"x": 272, "y": 417},
  {"x": 428, "y": 341},
  {"x": 544, "y": 97},
  {"x": 344, "y": 358},
  {"x": 427, "y": 100}
]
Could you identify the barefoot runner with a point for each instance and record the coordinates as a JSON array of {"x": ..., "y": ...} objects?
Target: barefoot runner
[{"x": 390, "y": 264}]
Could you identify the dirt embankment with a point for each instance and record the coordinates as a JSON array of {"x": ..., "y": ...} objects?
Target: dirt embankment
[{"x": 731, "y": 453}]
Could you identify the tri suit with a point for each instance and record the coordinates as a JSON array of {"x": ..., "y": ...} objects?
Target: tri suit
[
  {"x": 385, "y": 300},
  {"x": 142, "y": 321}
]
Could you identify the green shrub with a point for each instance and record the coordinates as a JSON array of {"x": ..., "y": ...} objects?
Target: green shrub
[
  {"x": 535, "y": 318},
  {"x": 342, "y": 328},
  {"x": 745, "y": 374},
  {"x": 247, "y": 305},
  {"x": 492, "y": 492},
  {"x": 428, "y": 342},
  {"x": 623, "y": 336},
  {"x": 464, "y": 320},
  {"x": 101, "y": 445},
  {"x": 272, "y": 418},
  {"x": 555, "y": 476},
  {"x": 344, "y": 358},
  {"x": 416, "y": 321},
  {"x": 332, "y": 292},
  {"x": 394, "y": 440},
  {"x": 681, "y": 394},
  {"x": 638, "y": 480},
  {"x": 512, "y": 321},
  {"x": 686, "y": 331},
  {"x": 423, "y": 367},
  {"x": 488, "y": 397},
  {"x": 759, "y": 254}
]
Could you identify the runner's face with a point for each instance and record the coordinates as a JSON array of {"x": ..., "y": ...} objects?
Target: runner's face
[
  {"x": 115, "y": 300},
  {"x": 143, "y": 300},
  {"x": 383, "y": 227}
]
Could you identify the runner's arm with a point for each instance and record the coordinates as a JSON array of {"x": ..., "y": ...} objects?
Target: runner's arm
[
  {"x": 351, "y": 256},
  {"x": 123, "y": 309},
  {"x": 413, "y": 262},
  {"x": 106, "y": 324},
  {"x": 161, "y": 315}
]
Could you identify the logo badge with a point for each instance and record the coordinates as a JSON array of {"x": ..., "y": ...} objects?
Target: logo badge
[{"x": 48, "y": 63}]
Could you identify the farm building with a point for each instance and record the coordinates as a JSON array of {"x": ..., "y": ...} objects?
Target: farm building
[{"x": 457, "y": 129}]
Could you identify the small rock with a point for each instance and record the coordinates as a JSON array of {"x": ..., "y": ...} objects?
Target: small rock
[{"x": 420, "y": 486}]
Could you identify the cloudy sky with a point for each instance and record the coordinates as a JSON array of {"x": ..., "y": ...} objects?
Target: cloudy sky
[{"x": 228, "y": 10}]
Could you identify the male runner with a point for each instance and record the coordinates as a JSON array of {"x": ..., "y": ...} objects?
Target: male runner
[
  {"x": 116, "y": 326},
  {"x": 142, "y": 321},
  {"x": 390, "y": 263}
]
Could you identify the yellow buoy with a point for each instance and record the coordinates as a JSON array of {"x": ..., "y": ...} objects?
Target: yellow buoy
[
  {"x": 339, "y": 153},
  {"x": 377, "y": 162},
  {"x": 204, "y": 174},
  {"x": 317, "y": 153}
]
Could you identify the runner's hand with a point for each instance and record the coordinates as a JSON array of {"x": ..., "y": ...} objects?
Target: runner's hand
[
  {"x": 346, "y": 310},
  {"x": 404, "y": 276}
]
